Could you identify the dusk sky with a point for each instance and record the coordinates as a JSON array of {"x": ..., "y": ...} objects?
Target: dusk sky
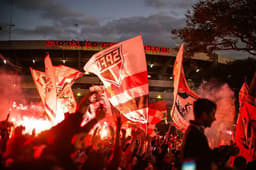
[{"x": 94, "y": 20}]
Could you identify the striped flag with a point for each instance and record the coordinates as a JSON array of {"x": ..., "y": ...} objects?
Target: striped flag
[
  {"x": 183, "y": 96},
  {"x": 122, "y": 69},
  {"x": 157, "y": 112}
]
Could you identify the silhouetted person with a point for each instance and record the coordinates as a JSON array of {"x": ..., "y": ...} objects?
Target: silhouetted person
[
  {"x": 239, "y": 163},
  {"x": 195, "y": 144},
  {"x": 58, "y": 138},
  {"x": 15, "y": 148}
]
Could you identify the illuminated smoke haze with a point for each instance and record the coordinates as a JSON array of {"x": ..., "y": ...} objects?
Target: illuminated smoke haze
[
  {"x": 221, "y": 131},
  {"x": 10, "y": 91},
  {"x": 14, "y": 101}
]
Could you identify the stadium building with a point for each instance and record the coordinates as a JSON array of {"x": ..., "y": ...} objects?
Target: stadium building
[{"x": 18, "y": 56}]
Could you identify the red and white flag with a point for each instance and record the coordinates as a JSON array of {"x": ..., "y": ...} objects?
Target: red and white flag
[
  {"x": 157, "y": 112},
  {"x": 183, "y": 96},
  {"x": 54, "y": 88},
  {"x": 123, "y": 70},
  {"x": 40, "y": 81},
  {"x": 65, "y": 78},
  {"x": 50, "y": 87}
]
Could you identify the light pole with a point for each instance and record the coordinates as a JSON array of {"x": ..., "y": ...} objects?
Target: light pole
[{"x": 11, "y": 24}]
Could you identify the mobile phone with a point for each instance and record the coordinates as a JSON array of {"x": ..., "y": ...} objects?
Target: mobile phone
[{"x": 188, "y": 165}]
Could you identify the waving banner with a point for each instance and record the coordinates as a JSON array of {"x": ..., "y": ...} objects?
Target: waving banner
[
  {"x": 54, "y": 88},
  {"x": 122, "y": 69},
  {"x": 183, "y": 96},
  {"x": 245, "y": 136},
  {"x": 40, "y": 81}
]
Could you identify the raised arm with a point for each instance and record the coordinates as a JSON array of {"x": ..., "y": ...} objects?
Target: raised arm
[
  {"x": 82, "y": 108},
  {"x": 115, "y": 158}
]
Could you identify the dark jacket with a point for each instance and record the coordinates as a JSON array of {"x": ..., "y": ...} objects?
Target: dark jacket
[{"x": 195, "y": 147}]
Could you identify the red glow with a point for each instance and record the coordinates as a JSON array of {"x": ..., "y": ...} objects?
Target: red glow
[
  {"x": 104, "y": 131},
  {"x": 27, "y": 116},
  {"x": 32, "y": 123}
]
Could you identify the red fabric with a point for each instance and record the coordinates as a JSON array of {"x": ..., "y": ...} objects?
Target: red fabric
[
  {"x": 242, "y": 94},
  {"x": 245, "y": 130},
  {"x": 135, "y": 80},
  {"x": 156, "y": 113}
]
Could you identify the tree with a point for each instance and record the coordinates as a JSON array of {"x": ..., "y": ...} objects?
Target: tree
[{"x": 216, "y": 25}]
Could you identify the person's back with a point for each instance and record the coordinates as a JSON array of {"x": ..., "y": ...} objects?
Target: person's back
[{"x": 195, "y": 143}]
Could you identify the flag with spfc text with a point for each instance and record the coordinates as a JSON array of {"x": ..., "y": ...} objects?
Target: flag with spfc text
[{"x": 123, "y": 70}]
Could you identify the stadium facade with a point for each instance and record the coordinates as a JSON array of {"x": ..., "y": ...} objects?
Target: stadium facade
[{"x": 19, "y": 56}]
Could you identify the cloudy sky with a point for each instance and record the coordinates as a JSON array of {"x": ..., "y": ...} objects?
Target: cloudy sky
[{"x": 94, "y": 20}]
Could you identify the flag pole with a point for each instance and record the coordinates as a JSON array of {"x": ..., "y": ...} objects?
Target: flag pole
[{"x": 147, "y": 123}]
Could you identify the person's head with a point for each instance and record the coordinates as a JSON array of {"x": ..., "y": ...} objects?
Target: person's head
[
  {"x": 204, "y": 111},
  {"x": 240, "y": 163}
]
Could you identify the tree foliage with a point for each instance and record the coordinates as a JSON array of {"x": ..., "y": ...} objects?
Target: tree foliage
[{"x": 215, "y": 25}]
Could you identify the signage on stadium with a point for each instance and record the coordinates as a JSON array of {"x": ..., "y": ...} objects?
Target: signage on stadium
[{"x": 90, "y": 45}]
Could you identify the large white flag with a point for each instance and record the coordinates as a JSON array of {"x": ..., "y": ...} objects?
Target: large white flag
[
  {"x": 183, "y": 96},
  {"x": 123, "y": 70},
  {"x": 40, "y": 81},
  {"x": 50, "y": 86},
  {"x": 54, "y": 87}
]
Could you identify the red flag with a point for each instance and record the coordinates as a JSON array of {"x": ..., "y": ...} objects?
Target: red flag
[
  {"x": 157, "y": 112},
  {"x": 159, "y": 106},
  {"x": 245, "y": 137},
  {"x": 183, "y": 96},
  {"x": 242, "y": 94},
  {"x": 122, "y": 69},
  {"x": 246, "y": 124}
]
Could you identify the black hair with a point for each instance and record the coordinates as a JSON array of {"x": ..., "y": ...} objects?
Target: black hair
[{"x": 203, "y": 105}]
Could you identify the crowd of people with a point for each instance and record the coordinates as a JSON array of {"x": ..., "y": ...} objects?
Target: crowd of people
[{"x": 56, "y": 148}]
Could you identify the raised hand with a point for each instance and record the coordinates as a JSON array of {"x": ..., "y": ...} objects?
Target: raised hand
[{"x": 83, "y": 105}]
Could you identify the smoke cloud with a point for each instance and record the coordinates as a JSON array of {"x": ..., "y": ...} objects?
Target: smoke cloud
[
  {"x": 15, "y": 102},
  {"x": 221, "y": 131},
  {"x": 10, "y": 92}
]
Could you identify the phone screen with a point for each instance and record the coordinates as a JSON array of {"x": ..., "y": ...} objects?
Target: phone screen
[{"x": 188, "y": 165}]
